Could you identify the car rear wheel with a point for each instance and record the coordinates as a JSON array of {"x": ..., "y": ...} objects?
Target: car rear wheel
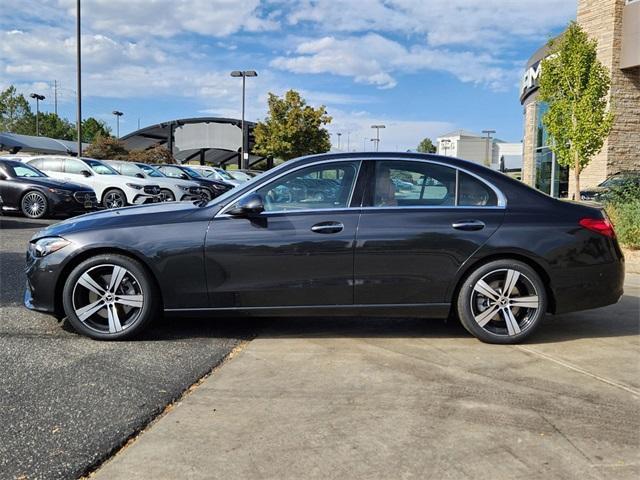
[
  {"x": 110, "y": 297},
  {"x": 502, "y": 301},
  {"x": 114, "y": 198},
  {"x": 167, "y": 195},
  {"x": 34, "y": 205}
]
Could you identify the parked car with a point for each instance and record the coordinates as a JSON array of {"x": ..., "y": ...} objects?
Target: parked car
[
  {"x": 599, "y": 193},
  {"x": 472, "y": 242},
  {"x": 240, "y": 175},
  {"x": 215, "y": 173},
  {"x": 171, "y": 189},
  {"x": 211, "y": 188},
  {"x": 25, "y": 189},
  {"x": 112, "y": 189}
]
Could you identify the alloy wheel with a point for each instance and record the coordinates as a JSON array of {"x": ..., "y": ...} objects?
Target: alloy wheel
[
  {"x": 114, "y": 200},
  {"x": 107, "y": 298},
  {"x": 505, "y": 302},
  {"x": 167, "y": 195},
  {"x": 34, "y": 204}
]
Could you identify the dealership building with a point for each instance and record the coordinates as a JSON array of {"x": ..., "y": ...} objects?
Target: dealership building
[{"x": 615, "y": 24}]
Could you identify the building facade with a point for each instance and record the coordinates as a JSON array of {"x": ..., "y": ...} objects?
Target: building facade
[
  {"x": 493, "y": 153},
  {"x": 615, "y": 24}
]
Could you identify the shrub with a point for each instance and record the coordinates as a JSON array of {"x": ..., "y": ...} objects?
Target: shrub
[{"x": 623, "y": 207}]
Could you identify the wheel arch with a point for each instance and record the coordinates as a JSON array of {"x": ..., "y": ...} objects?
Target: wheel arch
[
  {"x": 469, "y": 268},
  {"x": 81, "y": 257}
]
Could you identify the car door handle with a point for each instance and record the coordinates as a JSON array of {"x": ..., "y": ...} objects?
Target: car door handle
[
  {"x": 468, "y": 225},
  {"x": 327, "y": 227}
]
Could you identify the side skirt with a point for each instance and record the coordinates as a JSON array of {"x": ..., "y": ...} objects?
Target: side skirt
[{"x": 427, "y": 310}]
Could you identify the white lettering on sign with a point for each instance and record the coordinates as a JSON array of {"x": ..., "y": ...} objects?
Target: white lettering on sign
[{"x": 530, "y": 78}]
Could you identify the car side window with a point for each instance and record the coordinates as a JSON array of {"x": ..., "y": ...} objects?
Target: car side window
[
  {"x": 398, "y": 183},
  {"x": 52, "y": 164},
  {"x": 474, "y": 193},
  {"x": 315, "y": 187},
  {"x": 74, "y": 166},
  {"x": 129, "y": 170}
]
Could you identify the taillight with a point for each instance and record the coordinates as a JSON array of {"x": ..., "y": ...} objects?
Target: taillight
[{"x": 599, "y": 225}]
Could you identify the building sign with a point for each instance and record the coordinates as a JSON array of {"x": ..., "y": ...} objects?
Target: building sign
[{"x": 530, "y": 80}]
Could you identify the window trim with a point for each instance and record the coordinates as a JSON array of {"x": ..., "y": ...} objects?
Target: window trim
[{"x": 502, "y": 199}]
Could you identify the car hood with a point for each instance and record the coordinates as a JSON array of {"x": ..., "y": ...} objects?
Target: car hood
[
  {"x": 53, "y": 183},
  {"x": 154, "y": 214}
]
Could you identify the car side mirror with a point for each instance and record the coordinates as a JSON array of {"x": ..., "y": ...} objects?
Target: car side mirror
[
  {"x": 3, "y": 176},
  {"x": 184, "y": 176},
  {"x": 139, "y": 175},
  {"x": 85, "y": 173},
  {"x": 248, "y": 206}
]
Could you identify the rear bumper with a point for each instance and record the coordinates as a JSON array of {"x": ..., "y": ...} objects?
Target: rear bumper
[{"x": 586, "y": 287}]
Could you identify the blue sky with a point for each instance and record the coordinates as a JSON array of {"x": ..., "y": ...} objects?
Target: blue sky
[{"x": 422, "y": 67}]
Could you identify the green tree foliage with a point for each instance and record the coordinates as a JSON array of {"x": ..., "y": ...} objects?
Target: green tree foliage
[
  {"x": 575, "y": 84},
  {"x": 156, "y": 154},
  {"x": 93, "y": 128},
  {"x": 15, "y": 113},
  {"x": 107, "y": 148},
  {"x": 52, "y": 125},
  {"x": 623, "y": 207},
  {"x": 426, "y": 146},
  {"x": 292, "y": 128}
]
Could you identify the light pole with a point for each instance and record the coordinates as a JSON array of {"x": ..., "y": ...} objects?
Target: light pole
[
  {"x": 118, "y": 115},
  {"x": 37, "y": 97},
  {"x": 446, "y": 143},
  {"x": 377, "y": 139},
  {"x": 243, "y": 150},
  {"x": 487, "y": 159},
  {"x": 339, "y": 135},
  {"x": 78, "y": 81}
]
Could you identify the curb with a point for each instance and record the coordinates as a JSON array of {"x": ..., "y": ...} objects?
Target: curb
[{"x": 632, "y": 260}]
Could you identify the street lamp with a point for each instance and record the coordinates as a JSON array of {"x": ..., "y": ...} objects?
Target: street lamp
[
  {"x": 38, "y": 98},
  {"x": 445, "y": 143},
  {"x": 339, "y": 135},
  {"x": 377, "y": 139},
  {"x": 118, "y": 115},
  {"x": 487, "y": 160},
  {"x": 78, "y": 81},
  {"x": 244, "y": 153}
]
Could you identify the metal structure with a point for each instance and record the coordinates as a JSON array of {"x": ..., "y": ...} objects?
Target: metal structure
[
  {"x": 15, "y": 143},
  {"x": 118, "y": 114},
  {"x": 37, "y": 97},
  {"x": 446, "y": 143},
  {"x": 377, "y": 139},
  {"x": 78, "y": 81},
  {"x": 244, "y": 154}
]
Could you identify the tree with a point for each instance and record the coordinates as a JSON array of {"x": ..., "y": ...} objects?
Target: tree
[
  {"x": 155, "y": 154},
  {"x": 575, "y": 85},
  {"x": 426, "y": 146},
  {"x": 51, "y": 125},
  {"x": 292, "y": 128},
  {"x": 92, "y": 128},
  {"x": 15, "y": 113},
  {"x": 107, "y": 148}
]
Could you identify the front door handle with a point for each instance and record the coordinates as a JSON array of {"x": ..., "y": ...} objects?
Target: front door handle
[
  {"x": 468, "y": 225},
  {"x": 327, "y": 227}
]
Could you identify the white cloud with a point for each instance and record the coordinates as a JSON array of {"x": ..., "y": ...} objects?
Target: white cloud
[{"x": 373, "y": 59}]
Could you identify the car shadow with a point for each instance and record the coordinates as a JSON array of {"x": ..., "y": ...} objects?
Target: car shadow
[{"x": 20, "y": 223}]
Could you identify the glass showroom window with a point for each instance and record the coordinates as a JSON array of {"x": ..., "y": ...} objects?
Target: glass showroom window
[{"x": 546, "y": 167}]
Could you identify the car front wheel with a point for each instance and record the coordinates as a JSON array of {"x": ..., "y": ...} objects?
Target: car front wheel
[
  {"x": 110, "y": 297},
  {"x": 167, "y": 195},
  {"x": 114, "y": 198},
  {"x": 502, "y": 301},
  {"x": 34, "y": 205}
]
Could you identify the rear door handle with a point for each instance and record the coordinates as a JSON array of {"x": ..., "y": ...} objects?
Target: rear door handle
[
  {"x": 327, "y": 227},
  {"x": 468, "y": 225}
]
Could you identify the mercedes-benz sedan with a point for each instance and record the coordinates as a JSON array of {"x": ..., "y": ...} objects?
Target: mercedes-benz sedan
[{"x": 337, "y": 234}]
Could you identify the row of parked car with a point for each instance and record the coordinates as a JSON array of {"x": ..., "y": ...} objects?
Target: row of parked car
[{"x": 40, "y": 186}]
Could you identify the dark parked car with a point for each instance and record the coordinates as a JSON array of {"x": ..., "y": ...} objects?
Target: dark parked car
[
  {"x": 599, "y": 193},
  {"x": 211, "y": 188},
  {"x": 463, "y": 240},
  {"x": 28, "y": 190}
]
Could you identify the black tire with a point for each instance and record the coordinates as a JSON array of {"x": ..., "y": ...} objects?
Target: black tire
[
  {"x": 114, "y": 198},
  {"x": 206, "y": 195},
  {"x": 167, "y": 195},
  {"x": 103, "y": 323},
  {"x": 494, "y": 315},
  {"x": 34, "y": 204}
]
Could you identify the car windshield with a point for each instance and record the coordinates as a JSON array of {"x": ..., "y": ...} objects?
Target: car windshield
[
  {"x": 23, "y": 171},
  {"x": 191, "y": 172},
  {"x": 152, "y": 172},
  {"x": 241, "y": 176},
  {"x": 617, "y": 180},
  {"x": 224, "y": 174},
  {"x": 99, "y": 167}
]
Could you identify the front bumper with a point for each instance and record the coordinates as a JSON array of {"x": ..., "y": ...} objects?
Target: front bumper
[{"x": 143, "y": 198}]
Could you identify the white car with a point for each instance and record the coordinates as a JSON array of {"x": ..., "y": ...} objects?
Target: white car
[
  {"x": 215, "y": 173},
  {"x": 112, "y": 189},
  {"x": 171, "y": 189}
]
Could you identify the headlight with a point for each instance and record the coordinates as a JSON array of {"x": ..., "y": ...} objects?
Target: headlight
[
  {"x": 183, "y": 188},
  {"x": 60, "y": 191},
  {"x": 135, "y": 185},
  {"x": 45, "y": 246}
]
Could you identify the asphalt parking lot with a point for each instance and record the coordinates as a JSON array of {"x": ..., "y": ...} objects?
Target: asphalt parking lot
[{"x": 66, "y": 401}]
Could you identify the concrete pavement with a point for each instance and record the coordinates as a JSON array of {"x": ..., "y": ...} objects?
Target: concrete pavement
[{"x": 380, "y": 398}]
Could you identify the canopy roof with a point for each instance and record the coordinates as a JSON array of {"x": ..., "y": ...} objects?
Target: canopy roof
[{"x": 15, "y": 143}]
